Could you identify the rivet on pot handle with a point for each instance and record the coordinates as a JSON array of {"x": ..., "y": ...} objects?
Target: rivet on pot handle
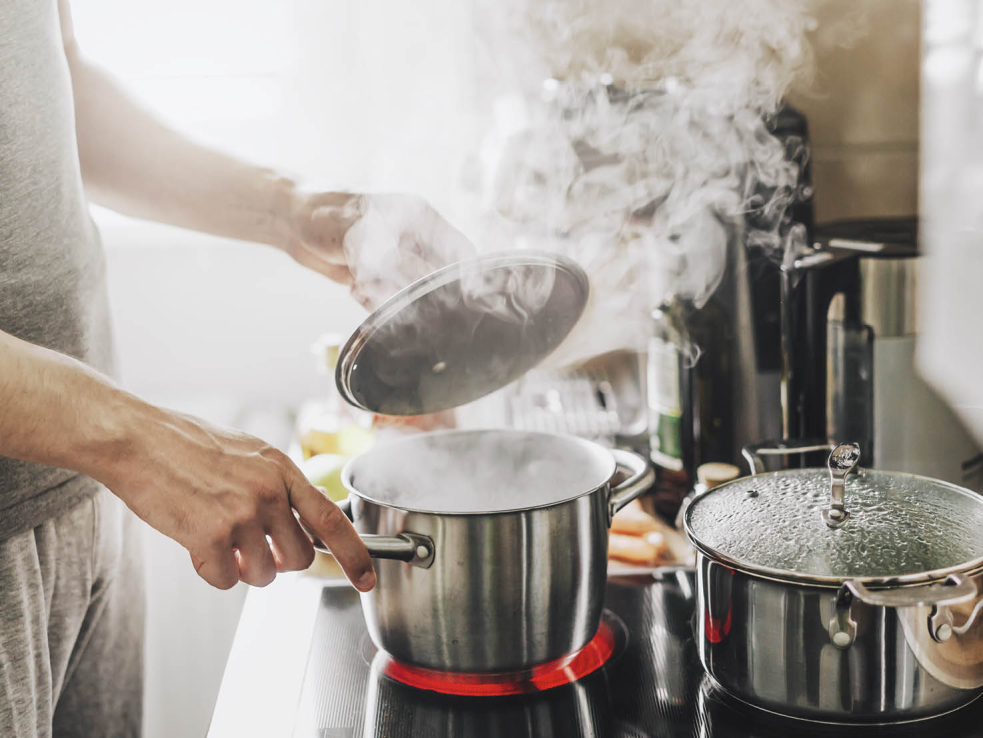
[
  {"x": 956, "y": 589},
  {"x": 413, "y": 548},
  {"x": 842, "y": 626},
  {"x": 642, "y": 476}
]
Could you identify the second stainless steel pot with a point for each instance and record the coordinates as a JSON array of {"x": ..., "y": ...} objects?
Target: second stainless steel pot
[
  {"x": 856, "y": 602},
  {"x": 503, "y": 549}
]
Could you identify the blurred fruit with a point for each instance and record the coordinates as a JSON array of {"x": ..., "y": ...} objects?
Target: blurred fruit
[
  {"x": 349, "y": 439},
  {"x": 324, "y": 470}
]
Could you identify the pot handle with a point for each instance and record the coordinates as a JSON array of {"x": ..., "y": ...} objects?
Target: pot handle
[
  {"x": 641, "y": 478},
  {"x": 756, "y": 453},
  {"x": 413, "y": 548},
  {"x": 956, "y": 589}
]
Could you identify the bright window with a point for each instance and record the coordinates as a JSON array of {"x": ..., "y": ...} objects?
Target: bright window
[{"x": 358, "y": 94}]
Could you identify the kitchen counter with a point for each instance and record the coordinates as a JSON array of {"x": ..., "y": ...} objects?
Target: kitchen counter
[{"x": 266, "y": 666}]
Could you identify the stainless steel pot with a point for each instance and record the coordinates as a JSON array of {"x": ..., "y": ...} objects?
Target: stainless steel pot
[
  {"x": 495, "y": 563},
  {"x": 851, "y": 629}
]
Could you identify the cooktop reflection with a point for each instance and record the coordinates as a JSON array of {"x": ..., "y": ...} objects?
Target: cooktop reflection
[{"x": 652, "y": 686}]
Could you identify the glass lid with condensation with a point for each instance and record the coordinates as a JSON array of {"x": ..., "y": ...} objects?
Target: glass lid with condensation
[
  {"x": 478, "y": 471},
  {"x": 461, "y": 333},
  {"x": 885, "y": 525}
]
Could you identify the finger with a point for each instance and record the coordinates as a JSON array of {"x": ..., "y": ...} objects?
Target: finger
[
  {"x": 371, "y": 293},
  {"x": 292, "y": 548},
  {"x": 327, "y": 228},
  {"x": 324, "y": 220},
  {"x": 308, "y": 257},
  {"x": 335, "y": 272},
  {"x": 414, "y": 263},
  {"x": 336, "y": 531},
  {"x": 219, "y": 568},
  {"x": 255, "y": 560},
  {"x": 447, "y": 244}
]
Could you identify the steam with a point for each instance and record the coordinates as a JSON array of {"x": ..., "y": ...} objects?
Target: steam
[
  {"x": 732, "y": 54},
  {"x": 632, "y": 135},
  {"x": 479, "y": 471}
]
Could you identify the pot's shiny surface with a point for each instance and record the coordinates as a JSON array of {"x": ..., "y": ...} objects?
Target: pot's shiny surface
[
  {"x": 492, "y": 591},
  {"x": 505, "y": 590},
  {"x": 769, "y": 643}
]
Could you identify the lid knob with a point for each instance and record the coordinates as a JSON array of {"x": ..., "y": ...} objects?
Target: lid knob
[{"x": 842, "y": 460}]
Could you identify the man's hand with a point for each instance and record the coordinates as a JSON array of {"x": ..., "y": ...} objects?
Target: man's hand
[
  {"x": 376, "y": 244},
  {"x": 229, "y": 499}
]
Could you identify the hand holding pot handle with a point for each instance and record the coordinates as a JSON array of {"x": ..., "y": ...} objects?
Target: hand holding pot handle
[
  {"x": 642, "y": 476},
  {"x": 412, "y": 548}
]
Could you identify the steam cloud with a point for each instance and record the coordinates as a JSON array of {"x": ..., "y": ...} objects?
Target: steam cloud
[{"x": 632, "y": 136}]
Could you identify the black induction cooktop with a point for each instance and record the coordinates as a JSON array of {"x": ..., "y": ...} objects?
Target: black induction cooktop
[{"x": 653, "y": 686}]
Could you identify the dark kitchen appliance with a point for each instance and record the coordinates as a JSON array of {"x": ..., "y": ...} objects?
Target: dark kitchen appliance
[
  {"x": 855, "y": 285},
  {"x": 652, "y": 687},
  {"x": 706, "y": 410},
  {"x": 850, "y": 328}
]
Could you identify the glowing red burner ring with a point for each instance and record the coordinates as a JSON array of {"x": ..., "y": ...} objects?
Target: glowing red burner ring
[{"x": 564, "y": 670}]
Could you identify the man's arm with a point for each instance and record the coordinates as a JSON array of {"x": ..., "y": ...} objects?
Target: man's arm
[
  {"x": 135, "y": 165},
  {"x": 218, "y": 493}
]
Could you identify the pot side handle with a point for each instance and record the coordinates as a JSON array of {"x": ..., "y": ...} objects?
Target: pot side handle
[
  {"x": 641, "y": 477},
  {"x": 413, "y": 548},
  {"x": 956, "y": 589}
]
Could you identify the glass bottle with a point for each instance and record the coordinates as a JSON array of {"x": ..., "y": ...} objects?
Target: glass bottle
[{"x": 665, "y": 402}]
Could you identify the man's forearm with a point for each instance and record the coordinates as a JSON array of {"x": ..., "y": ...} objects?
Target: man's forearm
[
  {"x": 225, "y": 496},
  {"x": 55, "y": 410},
  {"x": 134, "y": 164},
  {"x": 137, "y": 166}
]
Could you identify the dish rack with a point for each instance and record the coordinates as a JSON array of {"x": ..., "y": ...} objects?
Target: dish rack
[{"x": 602, "y": 400}]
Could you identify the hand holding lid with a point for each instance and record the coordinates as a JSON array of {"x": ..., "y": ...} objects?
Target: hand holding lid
[{"x": 842, "y": 460}]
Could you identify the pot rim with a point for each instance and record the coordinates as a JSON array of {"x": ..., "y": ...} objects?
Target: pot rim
[
  {"x": 588, "y": 446},
  {"x": 791, "y": 577}
]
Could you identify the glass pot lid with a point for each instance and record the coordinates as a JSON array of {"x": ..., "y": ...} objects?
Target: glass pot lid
[
  {"x": 840, "y": 523},
  {"x": 461, "y": 333}
]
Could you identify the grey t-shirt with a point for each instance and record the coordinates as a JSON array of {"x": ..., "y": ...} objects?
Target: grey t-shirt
[{"x": 52, "y": 267}]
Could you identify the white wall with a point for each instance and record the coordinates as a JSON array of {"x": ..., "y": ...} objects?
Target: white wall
[{"x": 212, "y": 318}]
